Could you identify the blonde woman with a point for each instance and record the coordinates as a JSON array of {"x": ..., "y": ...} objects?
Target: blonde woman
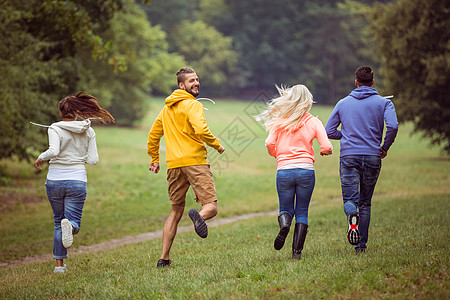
[
  {"x": 72, "y": 144},
  {"x": 292, "y": 131}
]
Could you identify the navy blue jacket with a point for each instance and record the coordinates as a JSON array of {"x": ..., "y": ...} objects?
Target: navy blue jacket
[{"x": 363, "y": 114}]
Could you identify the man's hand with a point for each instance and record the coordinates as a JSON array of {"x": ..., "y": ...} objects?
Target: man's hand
[
  {"x": 37, "y": 164},
  {"x": 383, "y": 153},
  {"x": 154, "y": 167},
  {"x": 221, "y": 150}
]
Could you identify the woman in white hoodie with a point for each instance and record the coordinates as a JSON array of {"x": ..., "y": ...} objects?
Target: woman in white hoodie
[{"x": 71, "y": 145}]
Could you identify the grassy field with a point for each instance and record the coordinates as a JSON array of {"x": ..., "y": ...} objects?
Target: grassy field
[{"x": 408, "y": 255}]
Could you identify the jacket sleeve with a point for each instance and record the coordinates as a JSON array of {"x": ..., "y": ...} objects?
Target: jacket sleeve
[
  {"x": 92, "y": 154},
  {"x": 198, "y": 122},
  {"x": 271, "y": 143},
  {"x": 54, "y": 145},
  {"x": 321, "y": 135},
  {"x": 390, "y": 118},
  {"x": 333, "y": 122},
  {"x": 154, "y": 138}
]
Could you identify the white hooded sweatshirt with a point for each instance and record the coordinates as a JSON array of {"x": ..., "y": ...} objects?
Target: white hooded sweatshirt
[{"x": 71, "y": 145}]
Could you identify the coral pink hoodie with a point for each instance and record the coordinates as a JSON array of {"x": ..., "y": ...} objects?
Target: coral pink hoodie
[{"x": 296, "y": 146}]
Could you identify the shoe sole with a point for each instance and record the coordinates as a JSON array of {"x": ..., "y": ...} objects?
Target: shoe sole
[
  {"x": 281, "y": 238},
  {"x": 199, "y": 224},
  {"x": 353, "y": 232},
  {"x": 67, "y": 237}
]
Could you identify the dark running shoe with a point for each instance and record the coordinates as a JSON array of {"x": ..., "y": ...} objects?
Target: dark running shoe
[
  {"x": 163, "y": 263},
  {"x": 199, "y": 224},
  {"x": 353, "y": 232}
]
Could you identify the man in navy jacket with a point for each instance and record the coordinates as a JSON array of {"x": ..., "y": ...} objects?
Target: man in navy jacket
[{"x": 362, "y": 115}]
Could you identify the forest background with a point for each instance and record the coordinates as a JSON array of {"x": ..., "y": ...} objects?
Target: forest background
[{"x": 124, "y": 51}]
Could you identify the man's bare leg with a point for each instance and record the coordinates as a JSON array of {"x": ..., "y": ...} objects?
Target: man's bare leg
[
  {"x": 209, "y": 210},
  {"x": 170, "y": 229}
]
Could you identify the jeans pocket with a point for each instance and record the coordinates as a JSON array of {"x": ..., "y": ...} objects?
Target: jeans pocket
[
  {"x": 284, "y": 182},
  {"x": 372, "y": 167},
  {"x": 349, "y": 175},
  {"x": 307, "y": 180},
  {"x": 371, "y": 175},
  {"x": 77, "y": 191}
]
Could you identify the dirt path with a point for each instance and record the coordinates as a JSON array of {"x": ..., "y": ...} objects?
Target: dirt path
[{"x": 131, "y": 239}]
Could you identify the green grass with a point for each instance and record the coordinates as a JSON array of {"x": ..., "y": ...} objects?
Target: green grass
[
  {"x": 408, "y": 254},
  {"x": 407, "y": 258}
]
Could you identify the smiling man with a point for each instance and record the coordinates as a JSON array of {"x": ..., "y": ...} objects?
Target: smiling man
[{"x": 183, "y": 124}]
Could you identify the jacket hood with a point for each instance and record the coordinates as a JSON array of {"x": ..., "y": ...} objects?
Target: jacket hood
[
  {"x": 177, "y": 96},
  {"x": 73, "y": 126},
  {"x": 363, "y": 92}
]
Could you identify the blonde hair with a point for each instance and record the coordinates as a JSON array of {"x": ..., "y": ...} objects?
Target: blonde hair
[{"x": 288, "y": 109}]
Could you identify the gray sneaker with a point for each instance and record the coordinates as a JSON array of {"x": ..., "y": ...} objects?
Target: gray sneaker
[{"x": 67, "y": 236}]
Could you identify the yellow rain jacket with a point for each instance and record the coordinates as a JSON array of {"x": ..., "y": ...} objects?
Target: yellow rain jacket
[{"x": 183, "y": 124}]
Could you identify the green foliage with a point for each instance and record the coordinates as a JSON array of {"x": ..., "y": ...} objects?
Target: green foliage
[
  {"x": 413, "y": 43},
  {"x": 317, "y": 43},
  {"x": 334, "y": 48},
  {"x": 39, "y": 41},
  {"x": 170, "y": 13},
  {"x": 211, "y": 10},
  {"x": 314, "y": 43},
  {"x": 208, "y": 52},
  {"x": 26, "y": 69},
  {"x": 51, "y": 49},
  {"x": 149, "y": 65},
  {"x": 267, "y": 37}
]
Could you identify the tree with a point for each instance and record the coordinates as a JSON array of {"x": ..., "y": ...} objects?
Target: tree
[
  {"x": 208, "y": 52},
  {"x": 49, "y": 49},
  {"x": 333, "y": 49},
  {"x": 267, "y": 37},
  {"x": 149, "y": 66},
  {"x": 288, "y": 41},
  {"x": 38, "y": 42},
  {"x": 412, "y": 40},
  {"x": 170, "y": 13}
]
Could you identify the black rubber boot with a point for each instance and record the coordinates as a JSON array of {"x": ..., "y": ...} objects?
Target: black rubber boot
[
  {"x": 300, "y": 232},
  {"x": 284, "y": 220}
]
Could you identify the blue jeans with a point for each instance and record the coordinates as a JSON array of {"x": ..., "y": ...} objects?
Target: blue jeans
[
  {"x": 295, "y": 188},
  {"x": 67, "y": 200},
  {"x": 359, "y": 174}
]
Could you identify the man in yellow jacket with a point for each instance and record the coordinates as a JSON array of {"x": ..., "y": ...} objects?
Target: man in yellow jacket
[{"x": 183, "y": 124}]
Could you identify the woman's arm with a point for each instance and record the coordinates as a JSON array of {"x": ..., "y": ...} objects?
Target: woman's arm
[
  {"x": 325, "y": 145},
  {"x": 92, "y": 154},
  {"x": 271, "y": 143},
  {"x": 54, "y": 145}
]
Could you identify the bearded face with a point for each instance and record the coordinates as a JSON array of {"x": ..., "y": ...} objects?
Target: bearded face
[{"x": 191, "y": 84}]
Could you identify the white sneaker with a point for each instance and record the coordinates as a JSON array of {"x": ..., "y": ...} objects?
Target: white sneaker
[
  {"x": 67, "y": 237},
  {"x": 60, "y": 269}
]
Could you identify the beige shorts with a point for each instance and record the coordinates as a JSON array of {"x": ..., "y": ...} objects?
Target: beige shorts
[{"x": 199, "y": 177}]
